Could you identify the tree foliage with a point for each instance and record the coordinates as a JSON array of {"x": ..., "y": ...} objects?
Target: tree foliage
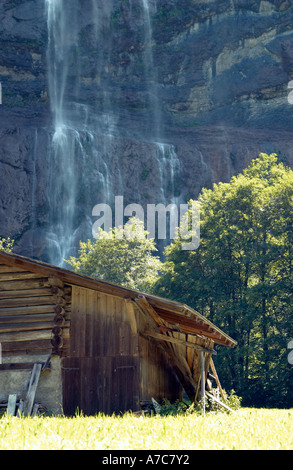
[
  {"x": 6, "y": 244},
  {"x": 241, "y": 277},
  {"x": 124, "y": 256}
]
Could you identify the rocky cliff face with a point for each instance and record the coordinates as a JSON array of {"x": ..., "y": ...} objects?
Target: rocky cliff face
[{"x": 149, "y": 99}]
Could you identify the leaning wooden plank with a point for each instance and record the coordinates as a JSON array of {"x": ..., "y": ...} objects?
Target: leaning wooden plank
[
  {"x": 178, "y": 362},
  {"x": 47, "y": 365},
  {"x": 183, "y": 372},
  {"x": 141, "y": 300},
  {"x": 11, "y": 404},
  {"x": 35, "y": 409},
  {"x": 32, "y": 388},
  {"x": 180, "y": 366},
  {"x": 20, "y": 408},
  {"x": 202, "y": 382},
  {"x": 220, "y": 402},
  {"x": 212, "y": 365}
]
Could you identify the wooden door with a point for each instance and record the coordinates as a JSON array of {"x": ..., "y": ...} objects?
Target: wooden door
[{"x": 100, "y": 384}]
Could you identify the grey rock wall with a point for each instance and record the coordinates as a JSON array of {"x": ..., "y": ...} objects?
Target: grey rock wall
[{"x": 209, "y": 78}]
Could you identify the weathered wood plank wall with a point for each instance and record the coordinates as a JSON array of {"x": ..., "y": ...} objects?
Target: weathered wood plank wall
[{"x": 101, "y": 372}]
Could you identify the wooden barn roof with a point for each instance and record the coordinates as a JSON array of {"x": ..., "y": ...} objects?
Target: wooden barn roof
[{"x": 183, "y": 318}]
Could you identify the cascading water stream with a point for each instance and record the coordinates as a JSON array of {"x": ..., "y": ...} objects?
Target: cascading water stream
[
  {"x": 80, "y": 138},
  {"x": 84, "y": 161},
  {"x": 169, "y": 168},
  {"x": 167, "y": 160},
  {"x": 151, "y": 78},
  {"x": 61, "y": 188}
]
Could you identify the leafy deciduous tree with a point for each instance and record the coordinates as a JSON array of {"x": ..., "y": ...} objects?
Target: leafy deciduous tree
[
  {"x": 121, "y": 255},
  {"x": 241, "y": 276},
  {"x": 6, "y": 244}
]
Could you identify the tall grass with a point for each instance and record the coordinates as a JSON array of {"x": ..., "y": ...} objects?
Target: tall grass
[{"x": 248, "y": 429}]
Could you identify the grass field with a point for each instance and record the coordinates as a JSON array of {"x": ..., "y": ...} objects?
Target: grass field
[{"x": 246, "y": 429}]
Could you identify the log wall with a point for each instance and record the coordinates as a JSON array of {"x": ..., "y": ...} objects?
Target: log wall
[{"x": 34, "y": 313}]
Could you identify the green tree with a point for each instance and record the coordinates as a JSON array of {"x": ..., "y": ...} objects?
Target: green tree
[
  {"x": 122, "y": 255},
  {"x": 241, "y": 276},
  {"x": 6, "y": 244}
]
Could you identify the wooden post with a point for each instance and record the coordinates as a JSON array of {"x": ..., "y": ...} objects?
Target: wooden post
[
  {"x": 202, "y": 375},
  {"x": 217, "y": 379},
  {"x": 30, "y": 396},
  {"x": 11, "y": 405}
]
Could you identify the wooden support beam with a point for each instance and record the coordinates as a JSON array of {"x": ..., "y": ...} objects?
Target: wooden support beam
[
  {"x": 178, "y": 341},
  {"x": 183, "y": 373},
  {"x": 145, "y": 304},
  {"x": 212, "y": 365},
  {"x": 177, "y": 361},
  {"x": 202, "y": 381}
]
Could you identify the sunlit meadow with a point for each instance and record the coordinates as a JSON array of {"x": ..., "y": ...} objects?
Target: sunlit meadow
[{"x": 246, "y": 429}]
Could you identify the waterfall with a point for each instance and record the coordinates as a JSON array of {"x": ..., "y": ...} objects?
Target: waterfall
[
  {"x": 151, "y": 74},
  {"x": 62, "y": 181},
  {"x": 169, "y": 169},
  {"x": 84, "y": 161},
  {"x": 81, "y": 139},
  {"x": 167, "y": 160}
]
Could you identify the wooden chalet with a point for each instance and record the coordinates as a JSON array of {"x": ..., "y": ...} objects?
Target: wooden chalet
[{"x": 72, "y": 342}]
